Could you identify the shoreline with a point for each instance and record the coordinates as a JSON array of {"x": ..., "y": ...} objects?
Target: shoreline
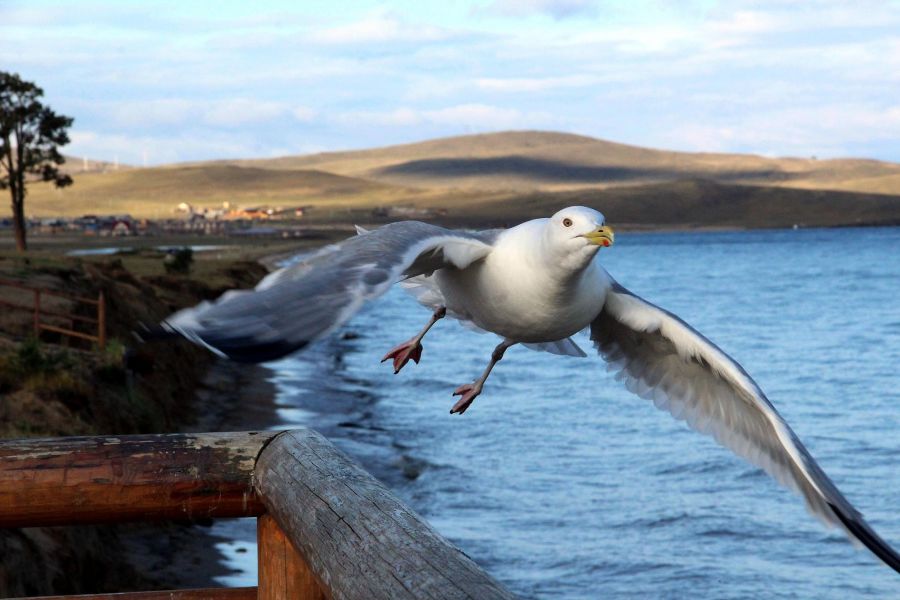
[{"x": 229, "y": 397}]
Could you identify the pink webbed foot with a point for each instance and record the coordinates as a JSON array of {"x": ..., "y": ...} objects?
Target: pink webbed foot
[
  {"x": 403, "y": 353},
  {"x": 468, "y": 392}
]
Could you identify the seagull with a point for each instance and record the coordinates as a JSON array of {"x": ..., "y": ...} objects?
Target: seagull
[{"x": 536, "y": 284}]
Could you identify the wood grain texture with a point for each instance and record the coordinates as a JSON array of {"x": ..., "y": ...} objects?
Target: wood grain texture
[
  {"x": 359, "y": 540},
  {"x": 68, "y": 481},
  {"x": 245, "y": 593},
  {"x": 283, "y": 573}
]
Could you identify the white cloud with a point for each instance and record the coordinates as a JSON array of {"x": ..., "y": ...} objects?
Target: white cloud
[
  {"x": 402, "y": 117},
  {"x": 558, "y": 9},
  {"x": 642, "y": 39},
  {"x": 243, "y": 111},
  {"x": 484, "y": 116},
  {"x": 139, "y": 150},
  {"x": 534, "y": 84},
  {"x": 468, "y": 116},
  {"x": 380, "y": 27},
  {"x": 156, "y": 112},
  {"x": 178, "y": 112},
  {"x": 747, "y": 22},
  {"x": 304, "y": 114},
  {"x": 810, "y": 130}
]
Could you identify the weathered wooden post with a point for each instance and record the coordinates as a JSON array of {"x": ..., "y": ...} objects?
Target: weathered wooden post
[
  {"x": 37, "y": 313},
  {"x": 283, "y": 573},
  {"x": 101, "y": 321}
]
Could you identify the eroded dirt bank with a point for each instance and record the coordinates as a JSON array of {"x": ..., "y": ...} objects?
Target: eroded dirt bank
[{"x": 48, "y": 389}]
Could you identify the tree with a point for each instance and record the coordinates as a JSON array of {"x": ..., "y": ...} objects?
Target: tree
[{"x": 29, "y": 136}]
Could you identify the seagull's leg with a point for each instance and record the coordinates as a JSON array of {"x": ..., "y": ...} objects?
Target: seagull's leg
[
  {"x": 470, "y": 391},
  {"x": 412, "y": 349}
]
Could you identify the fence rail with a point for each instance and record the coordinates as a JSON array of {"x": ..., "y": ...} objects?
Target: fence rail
[
  {"x": 326, "y": 529},
  {"x": 244, "y": 593},
  {"x": 38, "y": 310}
]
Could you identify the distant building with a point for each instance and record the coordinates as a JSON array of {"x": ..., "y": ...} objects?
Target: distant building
[
  {"x": 122, "y": 228},
  {"x": 255, "y": 213}
]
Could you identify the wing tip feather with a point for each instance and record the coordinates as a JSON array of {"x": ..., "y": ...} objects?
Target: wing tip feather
[{"x": 860, "y": 530}]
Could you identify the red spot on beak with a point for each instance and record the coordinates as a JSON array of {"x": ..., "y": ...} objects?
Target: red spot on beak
[{"x": 606, "y": 243}]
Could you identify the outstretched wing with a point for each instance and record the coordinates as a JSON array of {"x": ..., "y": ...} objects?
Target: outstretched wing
[
  {"x": 663, "y": 359},
  {"x": 298, "y": 304}
]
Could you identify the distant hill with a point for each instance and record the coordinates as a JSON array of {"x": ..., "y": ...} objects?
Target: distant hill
[
  {"x": 505, "y": 177},
  {"x": 695, "y": 204},
  {"x": 546, "y": 160},
  {"x": 155, "y": 192}
]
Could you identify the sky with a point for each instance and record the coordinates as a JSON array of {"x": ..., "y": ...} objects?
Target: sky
[{"x": 161, "y": 82}]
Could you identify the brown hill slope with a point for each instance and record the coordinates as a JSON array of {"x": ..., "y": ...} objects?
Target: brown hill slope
[
  {"x": 693, "y": 203},
  {"x": 525, "y": 160},
  {"x": 514, "y": 175},
  {"x": 155, "y": 192}
]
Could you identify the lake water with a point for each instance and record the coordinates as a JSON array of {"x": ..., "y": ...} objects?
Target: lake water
[{"x": 563, "y": 485}]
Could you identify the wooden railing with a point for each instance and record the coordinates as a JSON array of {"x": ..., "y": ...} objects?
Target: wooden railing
[
  {"x": 36, "y": 293},
  {"x": 325, "y": 527}
]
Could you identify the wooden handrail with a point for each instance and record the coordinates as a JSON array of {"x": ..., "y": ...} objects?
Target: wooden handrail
[
  {"x": 78, "y": 480},
  {"x": 356, "y": 536},
  {"x": 283, "y": 573},
  {"x": 243, "y": 593},
  {"x": 327, "y": 529}
]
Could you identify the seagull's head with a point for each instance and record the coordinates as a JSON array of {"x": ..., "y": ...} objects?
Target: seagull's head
[{"x": 578, "y": 230}]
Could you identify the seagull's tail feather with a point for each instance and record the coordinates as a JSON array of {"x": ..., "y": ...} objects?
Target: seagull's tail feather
[
  {"x": 861, "y": 531},
  {"x": 248, "y": 350},
  {"x": 239, "y": 349}
]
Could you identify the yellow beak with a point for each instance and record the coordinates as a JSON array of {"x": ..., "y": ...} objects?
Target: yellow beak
[{"x": 602, "y": 236}]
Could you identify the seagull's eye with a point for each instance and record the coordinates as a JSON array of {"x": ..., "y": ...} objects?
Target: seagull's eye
[{"x": 567, "y": 222}]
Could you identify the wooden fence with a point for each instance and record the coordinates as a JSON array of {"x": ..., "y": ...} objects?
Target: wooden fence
[
  {"x": 36, "y": 293},
  {"x": 326, "y": 529}
]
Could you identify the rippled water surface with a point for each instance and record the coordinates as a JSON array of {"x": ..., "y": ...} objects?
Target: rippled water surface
[{"x": 563, "y": 485}]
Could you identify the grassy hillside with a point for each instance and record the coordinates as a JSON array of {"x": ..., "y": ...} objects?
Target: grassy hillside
[
  {"x": 696, "y": 203},
  {"x": 545, "y": 160},
  {"x": 155, "y": 192},
  {"x": 513, "y": 174}
]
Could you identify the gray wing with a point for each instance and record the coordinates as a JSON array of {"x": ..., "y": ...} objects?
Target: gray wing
[
  {"x": 663, "y": 359},
  {"x": 299, "y": 304}
]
